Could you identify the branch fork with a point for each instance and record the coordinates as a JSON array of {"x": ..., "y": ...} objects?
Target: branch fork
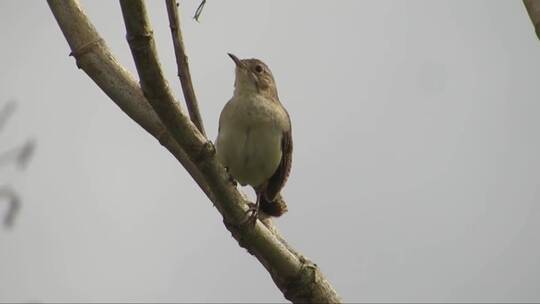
[{"x": 152, "y": 105}]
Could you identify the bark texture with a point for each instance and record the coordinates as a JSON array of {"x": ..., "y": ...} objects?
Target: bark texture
[
  {"x": 154, "y": 108},
  {"x": 533, "y": 8}
]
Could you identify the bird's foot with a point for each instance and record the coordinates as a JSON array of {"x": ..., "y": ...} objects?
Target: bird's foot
[
  {"x": 233, "y": 181},
  {"x": 252, "y": 214},
  {"x": 231, "y": 178}
]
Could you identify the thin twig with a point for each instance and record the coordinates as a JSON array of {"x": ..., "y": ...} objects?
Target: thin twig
[
  {"x": 182, "y": 65},
  {"x": 533, "y": 8},
  {"x": 199, "y": 10}
]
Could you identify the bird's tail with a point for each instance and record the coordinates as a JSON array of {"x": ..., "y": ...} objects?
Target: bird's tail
[{"x": 275, "y": 207}]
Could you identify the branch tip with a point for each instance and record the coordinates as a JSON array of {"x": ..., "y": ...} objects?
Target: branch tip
[{"x": 182, "y": 65}]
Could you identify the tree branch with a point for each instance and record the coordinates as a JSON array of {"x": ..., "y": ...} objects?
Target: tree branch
[
  {"x": 533, "y": 8},
  {"x": 157, "y": 111},
  {"x": 182, "y": 65}
]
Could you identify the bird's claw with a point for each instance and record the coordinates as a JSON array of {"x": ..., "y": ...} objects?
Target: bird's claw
[
  {"x": 252, "y": 214},
  {"x": 233, "y": 181}
]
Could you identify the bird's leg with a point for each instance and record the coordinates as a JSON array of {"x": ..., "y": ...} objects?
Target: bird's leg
[
  {"x": 231, "y": 178},
  {"x": 253, "y": 211}
]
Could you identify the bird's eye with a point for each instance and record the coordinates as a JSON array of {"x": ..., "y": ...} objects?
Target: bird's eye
[{"x": 258, "y": 68}]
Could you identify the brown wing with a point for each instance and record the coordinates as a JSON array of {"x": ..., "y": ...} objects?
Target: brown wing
[{"x": 278, "y": 180}]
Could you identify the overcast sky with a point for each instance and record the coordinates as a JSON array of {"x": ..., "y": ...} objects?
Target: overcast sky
[{"x": 416, "y": 168}]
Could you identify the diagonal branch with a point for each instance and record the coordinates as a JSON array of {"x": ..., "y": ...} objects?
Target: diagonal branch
[
  {"x": 533, "y": 8},
  {"x": 182, "y": 65},
  {"x": 156, "y": 110}
]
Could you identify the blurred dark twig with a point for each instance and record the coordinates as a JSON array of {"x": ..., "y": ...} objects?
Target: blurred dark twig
[
  {"x": 6, "y": 112},
  {"x": 21, "y": 155},
  {"x": 14, "y": 205}
]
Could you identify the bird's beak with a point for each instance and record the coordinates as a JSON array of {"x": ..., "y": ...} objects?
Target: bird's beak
[{"x": 236, "y": 60}]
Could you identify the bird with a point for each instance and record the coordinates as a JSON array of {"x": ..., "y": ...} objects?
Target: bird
[{"x": 254, "y": 141}]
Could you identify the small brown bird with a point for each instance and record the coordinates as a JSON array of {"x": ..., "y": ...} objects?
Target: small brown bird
[{"x": 254, "y": 139}]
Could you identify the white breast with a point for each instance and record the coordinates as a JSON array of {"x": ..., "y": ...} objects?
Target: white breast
[{"x": 249, "y": 139}]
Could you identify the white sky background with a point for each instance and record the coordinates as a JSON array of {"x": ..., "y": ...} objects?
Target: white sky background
[{"x": 416, "y": 165}]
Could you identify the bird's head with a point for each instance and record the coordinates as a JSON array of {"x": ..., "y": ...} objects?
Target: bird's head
[{"x": 252, "y": 75}]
